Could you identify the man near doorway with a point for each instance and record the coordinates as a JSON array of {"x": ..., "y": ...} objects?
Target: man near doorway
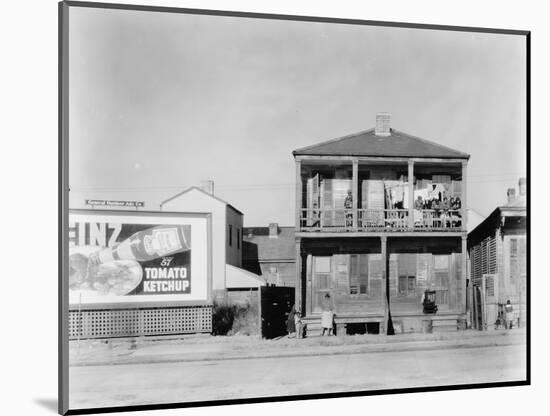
[{"x": 509, "y": 311}]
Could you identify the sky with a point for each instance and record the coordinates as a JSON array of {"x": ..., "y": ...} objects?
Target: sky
[{"x": 159, "y": 102}]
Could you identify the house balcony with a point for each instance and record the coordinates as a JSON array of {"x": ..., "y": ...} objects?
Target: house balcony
[
  {"x": 376, "y": 195},
  {"x": 380, "y": 220}
]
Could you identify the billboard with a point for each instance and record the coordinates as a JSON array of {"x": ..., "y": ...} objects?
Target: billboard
[{"x": 125, "y": 258}]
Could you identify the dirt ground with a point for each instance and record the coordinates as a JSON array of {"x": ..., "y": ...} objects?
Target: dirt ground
[
  {"x": 207, "y": 347},
  {"x": 170, "y": 381}
]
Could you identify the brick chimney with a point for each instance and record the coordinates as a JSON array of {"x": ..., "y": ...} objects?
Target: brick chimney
[
  {"x": 273, "y": 230},
  {"x": 511, "y": 193},
  {"x": 522, "y": 186},
  {"x": 208, "y": 186},
  {"x": 382, "y": 127}
]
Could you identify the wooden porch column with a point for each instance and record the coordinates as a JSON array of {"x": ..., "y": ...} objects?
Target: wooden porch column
[
  {"x": 298, "y": 195},
  {"x": 411, "y": 193},
  {"x": 464, "y": 267},
  {"x": 298, "y": 287},
  {"x": 355, "y": 190},
  {"x": 383, "y": 255},
  {"x": 464, "y": 209},
  {"x": 307, "y": 309}
]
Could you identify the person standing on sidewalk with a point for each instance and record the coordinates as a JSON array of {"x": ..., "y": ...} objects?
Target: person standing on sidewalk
[
  {"x": 509, "y": 310},
  {"x": 327, "y": 317},
  {"x": 298, "y": 322},
  {"x": 290, "y": 322}
]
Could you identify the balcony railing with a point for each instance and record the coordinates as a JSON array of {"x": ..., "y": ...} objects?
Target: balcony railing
[{"x": 373, "y": 220}]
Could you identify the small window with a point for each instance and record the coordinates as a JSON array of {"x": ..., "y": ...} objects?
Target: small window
[
  {"x": 407, "y": 285},
  {"x": 403, "y": 285},
  {"x": 412, "y": 285},
  {"x": 322, "y": 264},
  {"x": 230, "y": 234}
]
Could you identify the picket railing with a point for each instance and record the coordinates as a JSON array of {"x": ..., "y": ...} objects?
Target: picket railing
[{"x": 343, "y": 220}]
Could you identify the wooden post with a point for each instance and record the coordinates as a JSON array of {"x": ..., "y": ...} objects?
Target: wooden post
[
  {"x": 298, "y": 195},
  {"x": 483, "y": 305},
  {"x": 411, "y": 193},
  {"x": 464, "y": 267},
  {"x": 298, "y": 287},
  {"x": 474, "y": 307},
  {"x": 260, "y": 321},
  {"x": 355, "y": 190},
  {"x": 463, "y": 198},
  {"x": 308, "y": 309},
  {"x": 383, "y": 255}
]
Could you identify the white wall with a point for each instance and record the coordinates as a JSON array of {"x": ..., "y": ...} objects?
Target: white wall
[{"x": 197, "y": 201}]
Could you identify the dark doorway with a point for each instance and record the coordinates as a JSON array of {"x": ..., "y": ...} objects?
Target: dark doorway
[
  {"x": 356, "y": 329},
  {"x": 275, "y": 305},
  {"x": 363, "y": 328},
  {"x": 373, "y": 327},
  {"x": 478, "y": 308}
]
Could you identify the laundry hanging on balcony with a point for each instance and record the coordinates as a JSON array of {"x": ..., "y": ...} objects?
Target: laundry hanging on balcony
[{"x": 397, "y": 194}]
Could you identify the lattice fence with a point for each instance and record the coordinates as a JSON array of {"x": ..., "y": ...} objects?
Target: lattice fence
[{"x": 138, "y": 322}]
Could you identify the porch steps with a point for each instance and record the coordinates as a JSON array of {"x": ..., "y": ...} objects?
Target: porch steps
[
  {"x": 439, "y": 324},
  {"x": 444, "y": 325},
  {"x": 313, "y": 325}
]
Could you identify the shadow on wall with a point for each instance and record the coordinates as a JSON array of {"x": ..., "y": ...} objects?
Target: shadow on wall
[{"x": 250, "y": 258}]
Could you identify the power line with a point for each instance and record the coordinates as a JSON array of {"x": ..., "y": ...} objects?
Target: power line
[{"x": 258, "y": 187}]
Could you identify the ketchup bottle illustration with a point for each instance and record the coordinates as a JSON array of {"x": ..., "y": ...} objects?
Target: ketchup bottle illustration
[{"x": 147, "y": 245}]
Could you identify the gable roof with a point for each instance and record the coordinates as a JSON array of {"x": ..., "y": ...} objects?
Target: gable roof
[
  {"x": 367, "y": 143},
  {"x": 195, "y": 188},
  {"x": 283, "y": 247},
  {"x": 514, "y": 209}
]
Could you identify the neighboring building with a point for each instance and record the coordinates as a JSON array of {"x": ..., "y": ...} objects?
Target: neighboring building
[
  {"x": 227, "y": 236},
  {"x": 498, "y": 257},
  {"x": 269, "y": 252},
  {"x": 361, "y": 239}
]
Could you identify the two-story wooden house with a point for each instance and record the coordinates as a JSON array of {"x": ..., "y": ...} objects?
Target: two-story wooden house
[
  {"x": 380, "y": 220},
  {"x": 498, "y": 262}
]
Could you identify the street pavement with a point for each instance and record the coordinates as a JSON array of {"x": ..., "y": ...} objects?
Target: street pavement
[{"x": 135, "y": 383}]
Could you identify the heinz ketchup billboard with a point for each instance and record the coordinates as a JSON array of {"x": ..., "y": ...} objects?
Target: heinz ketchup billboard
[{"x": 120, "y": 258}]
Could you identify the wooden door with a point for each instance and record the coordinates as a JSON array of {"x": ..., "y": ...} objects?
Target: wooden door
[{"x": 321, "y": 281}]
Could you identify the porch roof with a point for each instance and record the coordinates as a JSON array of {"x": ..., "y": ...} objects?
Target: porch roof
[{"x": 367, "y": 143}]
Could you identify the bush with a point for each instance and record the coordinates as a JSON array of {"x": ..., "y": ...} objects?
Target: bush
[
  {"x": 223, "y": 316},
  {"x": 230, "y": 319}
]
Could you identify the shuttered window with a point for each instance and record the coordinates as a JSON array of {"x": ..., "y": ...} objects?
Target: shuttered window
[
  {"x": 483, "y": 258},
  {"x": 518, "y": 257},
  {"x": 359, "y": 276}
]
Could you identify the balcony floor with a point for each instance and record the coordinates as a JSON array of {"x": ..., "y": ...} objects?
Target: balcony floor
[{"x": 378, "y": 233}]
